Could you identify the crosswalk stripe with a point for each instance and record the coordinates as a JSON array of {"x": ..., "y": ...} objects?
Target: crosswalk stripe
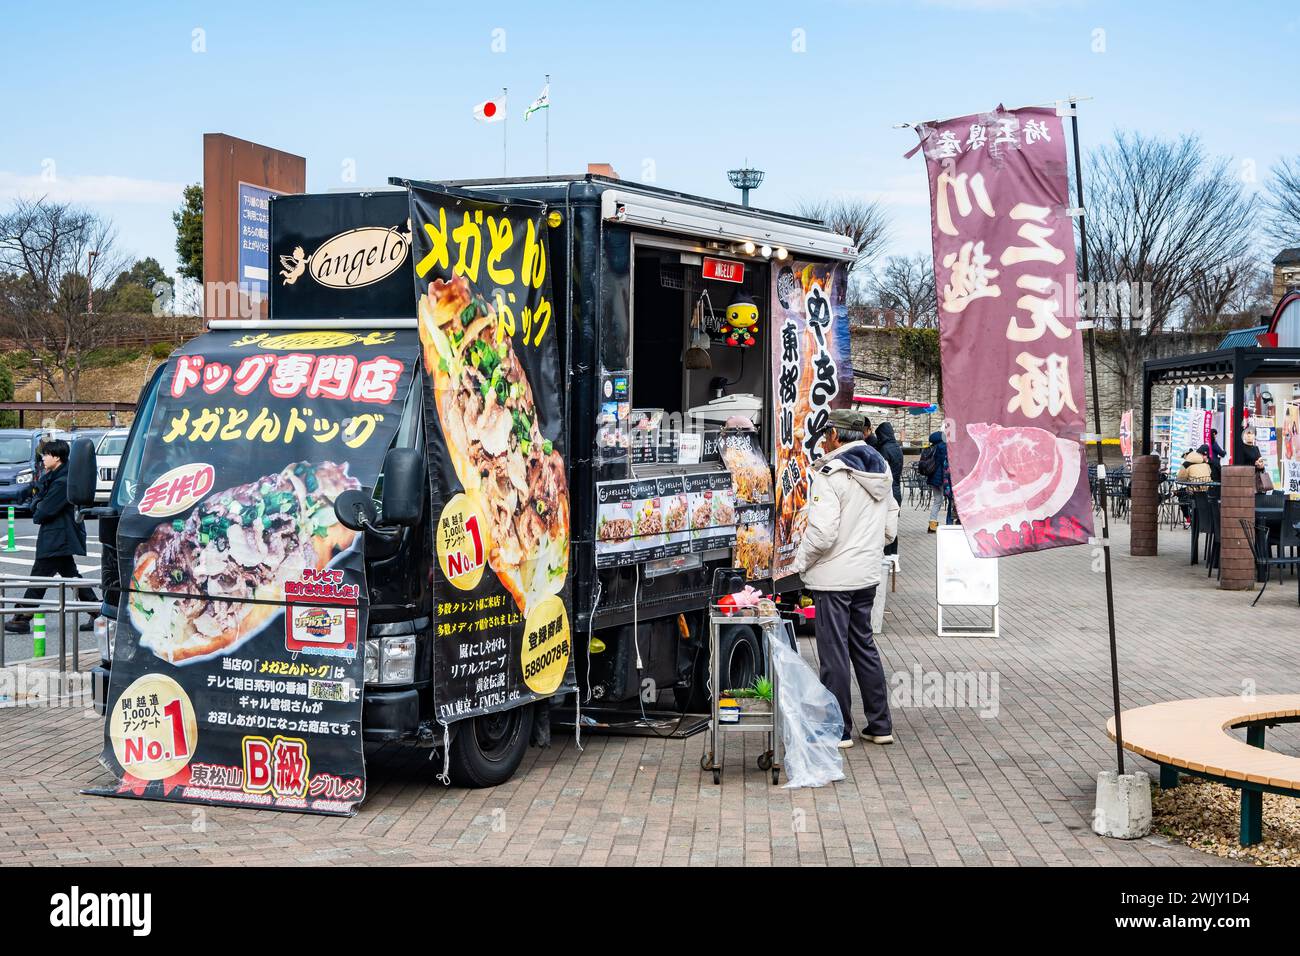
[{"x": 22, "y": 549}]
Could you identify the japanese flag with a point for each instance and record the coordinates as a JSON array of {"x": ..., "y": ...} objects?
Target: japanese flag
[{"x": 490, "y": 111}]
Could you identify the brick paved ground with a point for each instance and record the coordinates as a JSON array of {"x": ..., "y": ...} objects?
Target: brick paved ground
[{"x": 957, "y": 788}]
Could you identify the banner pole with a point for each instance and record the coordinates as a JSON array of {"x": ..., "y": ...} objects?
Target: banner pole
[
  {"x": 548, "y": 124},
  {"x": 1096, "y": 419},
  {"x": 505, "y": 123}
]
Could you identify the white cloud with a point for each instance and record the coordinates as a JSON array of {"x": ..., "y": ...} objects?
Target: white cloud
[{"x": 90, "y": 189}]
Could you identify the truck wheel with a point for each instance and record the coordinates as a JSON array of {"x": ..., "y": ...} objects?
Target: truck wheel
[
  {"x": 487, "y": 749},
  {"x": 741, "y": 657},
  {"x": 740, "y": 661}
]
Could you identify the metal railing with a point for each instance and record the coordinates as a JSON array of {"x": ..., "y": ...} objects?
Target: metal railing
[{"x": 61, "y": 606}]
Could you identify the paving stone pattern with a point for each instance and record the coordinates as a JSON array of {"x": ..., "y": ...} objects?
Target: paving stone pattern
[{"x": 957, "y": 788}]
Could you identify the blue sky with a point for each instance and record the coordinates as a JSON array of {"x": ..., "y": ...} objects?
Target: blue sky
[{"x": 106, "y": 104}]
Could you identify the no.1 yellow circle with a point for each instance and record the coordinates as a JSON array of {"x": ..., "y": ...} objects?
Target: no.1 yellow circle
[
  {"x": 547, "y": 645},
  {"x": 462, "y": 542},
  {"x": 153, "y": 728}
]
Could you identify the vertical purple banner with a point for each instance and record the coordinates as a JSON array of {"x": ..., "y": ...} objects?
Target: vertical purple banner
[{"x": 1012, "y": 358}]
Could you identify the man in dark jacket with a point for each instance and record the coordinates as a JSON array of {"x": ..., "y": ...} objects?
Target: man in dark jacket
[
  {"x": 60, "y": 536},
  {"x": 892, "y": 452}
]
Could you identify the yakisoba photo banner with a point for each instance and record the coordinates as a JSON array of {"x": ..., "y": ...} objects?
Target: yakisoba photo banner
[
  {"x": 811, "y": 374},
  {"x": 239, "y": 658},
  {"x": 1013, "y": 392}
]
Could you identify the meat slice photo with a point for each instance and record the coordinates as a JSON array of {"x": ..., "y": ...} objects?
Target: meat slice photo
[{"x": 1023, "y": 475}]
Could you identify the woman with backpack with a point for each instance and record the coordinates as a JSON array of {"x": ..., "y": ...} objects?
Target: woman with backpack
[{"x": 934, "y": 468}]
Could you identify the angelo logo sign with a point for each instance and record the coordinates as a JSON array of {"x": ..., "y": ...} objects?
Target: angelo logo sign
[
  {"x": 176, "y": 490},
  {"x": 350, "y": 260}
]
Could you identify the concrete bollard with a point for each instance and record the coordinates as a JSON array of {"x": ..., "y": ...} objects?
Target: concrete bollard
[
  {"x": 1144, "y": 507},
  {"x": 1123, "y": 809},
  {"x": 1236, "y": 502}
]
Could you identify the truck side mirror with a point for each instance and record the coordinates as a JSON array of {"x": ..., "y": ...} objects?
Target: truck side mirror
[
  {"x": 404, "y": 488},
  {"x": 82, "y": 471}
]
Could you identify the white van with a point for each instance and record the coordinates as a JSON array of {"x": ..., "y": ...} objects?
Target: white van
[{"x": 108, "y": 453}]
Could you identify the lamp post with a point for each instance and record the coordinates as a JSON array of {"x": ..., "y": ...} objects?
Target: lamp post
[
  {"x": 745, "y": 180},
  {"x": 90, "y": 287}
]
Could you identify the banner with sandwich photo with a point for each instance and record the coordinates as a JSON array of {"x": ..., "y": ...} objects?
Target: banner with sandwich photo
[{"x": 494, "y": 427}]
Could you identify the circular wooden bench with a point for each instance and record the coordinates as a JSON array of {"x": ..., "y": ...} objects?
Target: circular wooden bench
[{"x": 1191, "y": 737}]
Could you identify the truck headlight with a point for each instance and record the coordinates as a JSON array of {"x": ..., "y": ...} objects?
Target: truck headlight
[
  {"x": 105, "y": 636},
  {"x": 372, "y": 662},
  {"x": 390, "y": 660},
  {"x": 24, "y": 478},
  {"x": 397, "y": 660}
]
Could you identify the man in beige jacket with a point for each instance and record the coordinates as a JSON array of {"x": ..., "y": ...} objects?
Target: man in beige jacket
[{"x": 852, "y": 515}]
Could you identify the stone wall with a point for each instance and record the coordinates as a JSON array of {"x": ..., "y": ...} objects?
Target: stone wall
[{"x": 877, "y": 350}]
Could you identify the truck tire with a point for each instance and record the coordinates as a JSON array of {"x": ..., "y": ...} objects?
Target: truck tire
[
  {"x": 741, "y": 657},
  {"x": 488, "y": 749},
  {"x": 741, "y": 660}
]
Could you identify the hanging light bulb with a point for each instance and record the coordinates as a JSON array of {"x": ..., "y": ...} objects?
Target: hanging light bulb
[
  {"x": 748, "y": 247},
  {"x": 781, "y": 252},
  {"x": 765, "y": 252}
]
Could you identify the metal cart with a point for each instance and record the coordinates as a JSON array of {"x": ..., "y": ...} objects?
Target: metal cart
[{"x": 750, "y": 723}]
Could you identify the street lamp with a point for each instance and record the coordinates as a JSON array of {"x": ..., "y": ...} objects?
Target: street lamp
[
  {"x": 90, "y": 287},
  {"x": 745, "y": 180}
]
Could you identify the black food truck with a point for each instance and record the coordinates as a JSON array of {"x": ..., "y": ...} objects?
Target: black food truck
[{"x": 479, "y": 465}]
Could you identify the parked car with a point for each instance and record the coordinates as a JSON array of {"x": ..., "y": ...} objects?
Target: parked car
[
  {"x": 108, "y": 454},
  {"x": 20, "y": 465}
]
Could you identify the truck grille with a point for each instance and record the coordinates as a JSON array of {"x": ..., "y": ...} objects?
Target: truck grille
[{"x": 107, "y": 474}]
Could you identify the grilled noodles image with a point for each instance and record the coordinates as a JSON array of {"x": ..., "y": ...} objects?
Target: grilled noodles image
[
  {"x": 237, "y": 545},
  {"x": 489, "y": 418}
]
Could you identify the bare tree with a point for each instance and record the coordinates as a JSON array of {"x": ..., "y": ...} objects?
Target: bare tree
[
  {"x": 1160, "y": 214},
  {"x": 1282, "y": 203},
  {"x": 904, "y": 285},
  {"x": 45, "y": 301},
  {"x": 862, "y": 220},
  {"x": 1234, "y": 297}
]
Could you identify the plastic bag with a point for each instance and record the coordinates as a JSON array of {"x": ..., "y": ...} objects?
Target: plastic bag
[{"x": 811, "y": 723}]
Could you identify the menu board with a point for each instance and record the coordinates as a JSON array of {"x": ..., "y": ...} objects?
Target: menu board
[{"x": 646, "y": 519}]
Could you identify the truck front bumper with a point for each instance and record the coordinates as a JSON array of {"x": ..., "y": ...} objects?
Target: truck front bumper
[{"x": 390, "y": 714}]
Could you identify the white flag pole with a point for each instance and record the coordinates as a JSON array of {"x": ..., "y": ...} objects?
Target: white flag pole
[
  {"x": 505, "y": 122},
  {"x": 548, "y": 124}
]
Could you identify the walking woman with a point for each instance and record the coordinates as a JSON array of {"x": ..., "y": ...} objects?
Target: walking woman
[
  {"x": 934, "y": 466},
  {"x": 60, "y": 536}
]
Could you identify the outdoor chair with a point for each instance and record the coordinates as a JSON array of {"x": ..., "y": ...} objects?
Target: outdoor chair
[
  {"x": 1118, "y": 492},
  {"x": 1264, "y": 560},
  {"x": 1207, "y": 520}
]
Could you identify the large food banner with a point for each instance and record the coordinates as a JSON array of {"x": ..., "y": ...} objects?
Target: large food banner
[
  {"x": 239, "y": 659},
  {"x": 1189, "y": 429},
  {"x": 494, "y": 427},
  {"x": 1012, "y": 357},
  {"x": 1287, "y": 446},
  {"x": 811, "y": 374}
]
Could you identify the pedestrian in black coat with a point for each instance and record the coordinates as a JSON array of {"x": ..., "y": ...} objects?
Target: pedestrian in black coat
[
  {"x": 892, "y": 452},
  {"x": 60, "y": 535}
]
